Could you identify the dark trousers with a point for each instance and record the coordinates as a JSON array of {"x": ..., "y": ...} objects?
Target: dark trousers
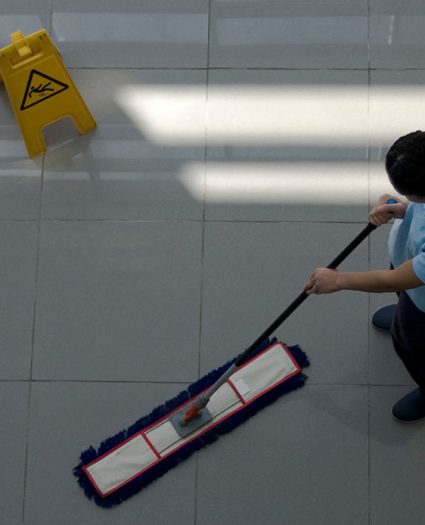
[{"x": 408, "y": 333}]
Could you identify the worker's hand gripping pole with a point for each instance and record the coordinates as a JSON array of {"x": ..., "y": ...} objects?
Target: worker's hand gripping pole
[{"x": 190, "y": 419}]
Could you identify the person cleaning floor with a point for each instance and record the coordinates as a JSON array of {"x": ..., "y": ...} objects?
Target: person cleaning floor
[{"x": 405, "y": 166}]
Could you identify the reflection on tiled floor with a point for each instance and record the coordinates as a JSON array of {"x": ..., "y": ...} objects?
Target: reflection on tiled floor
[{"x": 239, "y": 146}]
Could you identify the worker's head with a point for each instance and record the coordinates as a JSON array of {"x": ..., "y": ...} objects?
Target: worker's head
[{"x": 405, "y": 165}]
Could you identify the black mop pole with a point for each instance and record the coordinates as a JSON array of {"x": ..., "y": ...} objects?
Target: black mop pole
[{"x": 201, "y": 401}]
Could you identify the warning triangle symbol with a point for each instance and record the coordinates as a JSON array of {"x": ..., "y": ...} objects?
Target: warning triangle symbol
[{"x": 39, "y": 88}]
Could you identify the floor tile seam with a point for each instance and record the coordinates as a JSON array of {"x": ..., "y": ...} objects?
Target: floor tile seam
[
  {"x": 222, "y": 68},
  {"x": 306, "y": 222},
  {"x": 369, "y": 454},
  {"x": 369, "y": 337},
  {"x": 204, "y": 201},
  {"x": 337, "y": 383},
  {"x": 24, "y": 381},
  {"x": 368, "y": 34},
  {"x": 32, "y": 221},
  {"x": 203, "y": 243},
  {"x": 202, "y": 269},
  {"x": 51, "y": 16},
  {"x": 235, "y": 68},
  {"x": 182, "y": 221},
  {"x": 363, "y": 385},
  {"x": 185, "y": 383},
  {"x": 102, "y": 381},
  {"x": 62, "y": 219},
  {"x": 34, "y": 323},
  {"x": 201, "y": 221}
]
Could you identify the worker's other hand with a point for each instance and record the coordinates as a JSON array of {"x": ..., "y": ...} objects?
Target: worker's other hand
[
  {"x": 382, "y": 212},
  {"x": 322, "y": 280}
]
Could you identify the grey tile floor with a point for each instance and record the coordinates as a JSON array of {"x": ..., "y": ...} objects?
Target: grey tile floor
[{"x": 239, "y": 145}]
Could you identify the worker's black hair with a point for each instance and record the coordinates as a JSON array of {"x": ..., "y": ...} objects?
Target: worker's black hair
[{"x": 405, "y": 164}]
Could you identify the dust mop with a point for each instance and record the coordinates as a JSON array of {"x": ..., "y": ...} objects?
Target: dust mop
[{"x": 214, "y": 405}]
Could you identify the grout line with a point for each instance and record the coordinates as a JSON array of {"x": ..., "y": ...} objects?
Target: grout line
[
  {"x": 30, "y": 381},
  {"x": 187, "y": 221},
  {"x": 310, "y": 383},
  {"x": 209, "y": 35},
  {"x": 204, "y": 219},
  {"x": 369, "y": 455},
  {"x": 368, "y": 35},
  {"x": 201, "y": 299},
  {"x": 369, "y": 245},
  {"x": 203, "y": 222},
  {"x": 51, "y": 17},
  {"x": 230, "y": 68},
  {"x": 195, "y": 503},
  {"x": 103, "y": 381},
  {"x": 369, "y": 339}
]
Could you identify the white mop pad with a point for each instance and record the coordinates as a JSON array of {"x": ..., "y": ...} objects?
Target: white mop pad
[{"x": 148, "y": 447}]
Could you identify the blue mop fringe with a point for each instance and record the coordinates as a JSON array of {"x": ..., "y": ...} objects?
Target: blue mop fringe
[{"x": 183, "y": 453}]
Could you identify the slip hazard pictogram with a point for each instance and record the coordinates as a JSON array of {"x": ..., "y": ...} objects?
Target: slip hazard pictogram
[{"x": 40, "y": 87}]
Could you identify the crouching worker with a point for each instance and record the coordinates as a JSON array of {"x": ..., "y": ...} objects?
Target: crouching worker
[{"x": 405, "y": 166}]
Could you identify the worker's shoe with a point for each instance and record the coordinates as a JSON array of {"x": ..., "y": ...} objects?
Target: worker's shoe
[
  {"x": 383, "y": 317},
  {"x": 410, "y": 408}
]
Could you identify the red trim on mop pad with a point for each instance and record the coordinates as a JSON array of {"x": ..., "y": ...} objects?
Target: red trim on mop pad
[
  {"x": 236, "y": 400},
  {"x": 148, "y": 441},
  {"x": 232, "y": 385},
  {"x": 110, "y": 452}
]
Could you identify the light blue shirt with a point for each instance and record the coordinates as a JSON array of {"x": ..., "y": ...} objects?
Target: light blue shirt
[{"x": 407, "y": 241}]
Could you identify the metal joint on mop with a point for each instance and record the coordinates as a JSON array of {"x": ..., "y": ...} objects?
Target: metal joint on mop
[{"x": 190, "y": 414}]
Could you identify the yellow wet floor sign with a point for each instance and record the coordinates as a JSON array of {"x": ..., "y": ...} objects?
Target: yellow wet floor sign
[{"x": 40, "y": 88}]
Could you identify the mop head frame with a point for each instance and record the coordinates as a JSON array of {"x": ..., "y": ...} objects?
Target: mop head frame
[{"x": 129, "y": 461}]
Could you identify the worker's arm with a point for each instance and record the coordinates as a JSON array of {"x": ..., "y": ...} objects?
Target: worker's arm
[{"x": 324, "y": 280}]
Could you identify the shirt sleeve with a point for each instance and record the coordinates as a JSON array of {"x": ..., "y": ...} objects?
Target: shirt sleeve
[{"x": 419, "y": 264}]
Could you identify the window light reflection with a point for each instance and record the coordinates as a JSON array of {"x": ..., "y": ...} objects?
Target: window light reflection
[{"x": 255, "y": 183}]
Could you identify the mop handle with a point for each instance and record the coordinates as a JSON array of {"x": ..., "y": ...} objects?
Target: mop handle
[
  {"x": 303, "y": 295},
  {"x": 202, "y": 401},
  {"x": 367, "y": 230}
]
